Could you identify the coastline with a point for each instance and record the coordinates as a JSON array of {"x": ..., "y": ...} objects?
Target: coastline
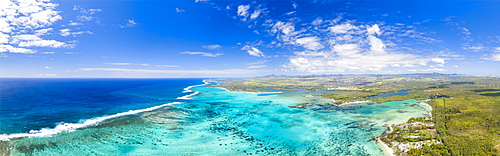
[
  {"x": 385, "y": 147},
  {"x": 430, "y": 107},
  {"x": 85, "y": 123},
  {"x": 387, "y": 150},
  {"x": 243, "y": 91}
]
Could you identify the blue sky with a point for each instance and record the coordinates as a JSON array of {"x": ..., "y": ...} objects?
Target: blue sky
[{"x": 204, "y": 38}]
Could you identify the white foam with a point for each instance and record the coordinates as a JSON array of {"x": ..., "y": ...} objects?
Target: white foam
[
  {"x": 188, "y": 96},
  {"x": 70, "y": 127},
  {"x": 188, "y": 89}
]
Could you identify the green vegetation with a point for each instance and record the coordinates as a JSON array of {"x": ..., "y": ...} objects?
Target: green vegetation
[
  {"x": 466, "y": 109},
  {"x": 417, "y": 136}
]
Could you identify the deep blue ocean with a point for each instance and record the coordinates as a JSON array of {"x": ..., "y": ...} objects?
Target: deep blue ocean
[
  {"x": 32, "y": 104},
  {"x": 184, "y": 117}
]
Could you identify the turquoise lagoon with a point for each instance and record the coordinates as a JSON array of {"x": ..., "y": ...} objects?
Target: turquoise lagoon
[{"x": 213, "y": 121}]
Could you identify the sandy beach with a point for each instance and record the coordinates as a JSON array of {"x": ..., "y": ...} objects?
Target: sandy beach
[
  {"x": 387, "y": 150},
  {"x": 430, "y": 107}
]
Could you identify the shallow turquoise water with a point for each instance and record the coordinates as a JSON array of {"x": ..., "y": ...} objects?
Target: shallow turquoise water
[{"x": 217, "y": 122}]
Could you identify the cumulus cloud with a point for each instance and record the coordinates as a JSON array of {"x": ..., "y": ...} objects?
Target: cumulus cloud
[
  {"x": 351, "y": 48},
  {"x": 373, "y": 30},
  {"x": 23, "y": 24},
  {"x": 12, "y": 49},
  {"x": 36, "y": 41},
  {"x": 311, "y": 43},
  {"x": 243, "y": 11},
  {"x": 376, "y": 45},
  {"x": 253, "y": 51},
  {"x": 202, "y": 54}
]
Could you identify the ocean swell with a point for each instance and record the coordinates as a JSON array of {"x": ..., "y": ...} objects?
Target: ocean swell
[{"x": 70, "y": 127}]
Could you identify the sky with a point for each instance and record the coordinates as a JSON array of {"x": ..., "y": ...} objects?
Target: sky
[{"x": 223, "y": 38}]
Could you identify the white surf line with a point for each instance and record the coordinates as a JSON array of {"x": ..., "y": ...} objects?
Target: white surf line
[
  {"x": 70, "y": 127},
  {"x": 188, "y": 96},
  {"x": 188, "y": 89}
]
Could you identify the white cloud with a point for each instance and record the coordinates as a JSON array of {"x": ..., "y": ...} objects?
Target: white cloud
[
  {"x": 213, "y": 46},
  {"x": 136, "y": 73},
  {"x": 255, "y": 14},
  {"x": 475, "y": 48},
  {"x": 496, "y": 54},
  {"x": 373, "y": 30},
  {"x": 259, "y": 66},
  {"x": 258, "y": 62},
  {"x": 346, "y": 49},
  {"x": 317, "y": 21},
  {"x": 4, "y": 38},
  {"x": 9, "y": 48},
  {"x": 311, "y": 43},
  {"x": 295, "y": 5},
  {"x": 43, "y": 31},
  {"x": 377, "y": 47},
  {"x": 286, "y": 28},
  {"x": 253, "y": 51},
  {"x": 310, "y": 53},
  {"x": 356, "y": 61},
  {"x": 438, "y": 60},
  {"x": 342, "y": 28},
  {"x": 243, "y": 11},
  {"x": 67, "y": 32},
  {"x": 130, "y": 23},
  {"x": 75, "y": 24},
  {"x": 23, "y": 23},
  {"x": 202, "y": 54},
  {"x": 43, "y": 43},
  {"x": 196, "y": 1},
  {"x": 495, "y": 57},
  {"x": 428, "y": 70},
  {"x": 89, "y": 11},
  {"x": 47, "y": 75},
  {"x": 179, "y": 10},
  {"x": 141, "y": 64},
  {"x": 85, "y": 18}
]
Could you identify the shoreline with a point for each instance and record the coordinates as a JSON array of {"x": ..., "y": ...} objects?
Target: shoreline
[
  {"x": 385, "y": 147},
  {"x": 244, "y": 91},
  {"x": 430, "y": 107},
  {"x": 387, "y": 150}
]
